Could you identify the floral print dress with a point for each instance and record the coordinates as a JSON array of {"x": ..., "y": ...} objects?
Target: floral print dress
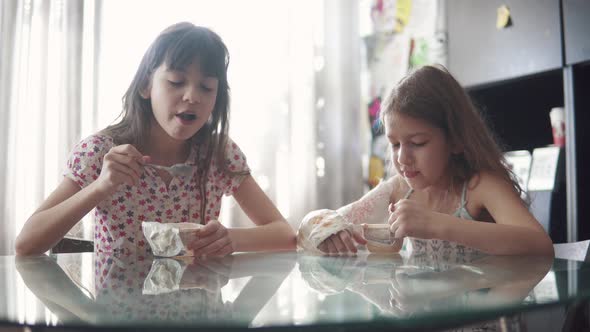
[{"x": 117, "y": 219}]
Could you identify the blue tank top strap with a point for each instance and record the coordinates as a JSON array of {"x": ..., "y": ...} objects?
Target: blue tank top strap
[
  {"x": 464, "y": 194},
  {"x": 462, "y": 210}
]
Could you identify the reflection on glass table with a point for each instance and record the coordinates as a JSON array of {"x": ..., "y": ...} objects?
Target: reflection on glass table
[
  {"x": 288, "y": 289},
  {"x": 161, "y": 291},
  {"x": 406, "y": 286}
]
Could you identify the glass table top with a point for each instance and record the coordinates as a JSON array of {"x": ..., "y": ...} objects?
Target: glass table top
[{"x": 282, "y": 289}]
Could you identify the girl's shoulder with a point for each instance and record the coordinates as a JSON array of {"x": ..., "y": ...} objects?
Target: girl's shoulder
[
  {"x": 477, "y": 190},
  {"x": 485, "y": 184},
  {"x": 91, "y": 148},
  {"x": 233, "y": 159},
  {"x": 224, "y": 143},
  {"x": 85, "y": 161},
  {"x": 97, "y": 140},
  {"x": 230, "y": 144}
]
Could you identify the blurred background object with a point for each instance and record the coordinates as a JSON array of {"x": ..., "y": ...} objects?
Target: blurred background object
[{"x": 399, "y": 35}]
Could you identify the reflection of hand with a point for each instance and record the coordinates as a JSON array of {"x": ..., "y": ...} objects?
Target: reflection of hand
[
  {"x": 342, "y": 242},
  {"x": 415, "y": 290},
  {"x": 488, "y": 280},
  {"x": 329, "y": 275},
  {"x": 402, "y": 304},
  {"x": 404, "y": 299},
  {"x": 212, "y": 240},
  {"x": 210, "y": 274}
]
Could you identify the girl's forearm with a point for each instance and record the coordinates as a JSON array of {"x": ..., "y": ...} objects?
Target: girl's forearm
[
  {"x": 372, "y": 208},
  {"x": 497, "y": 239},
  {"x": 44, "y": 229},
  {"x": 276, "y": 235}
]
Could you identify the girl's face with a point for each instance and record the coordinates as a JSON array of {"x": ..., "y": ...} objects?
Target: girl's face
[
  {"x": 182, "y": 100},
  {"x": 421, "y": 152}
]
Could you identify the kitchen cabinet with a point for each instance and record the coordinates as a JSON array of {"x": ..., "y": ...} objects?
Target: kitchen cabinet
[
  {"x": 481, "y": 53},
  {"x": 516, "y": 74},
  {"x": 578, "y": 99},
  {"x": 576, "y": 26}
]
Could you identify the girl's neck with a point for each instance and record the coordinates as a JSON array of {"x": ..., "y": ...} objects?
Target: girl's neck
[
  {"x": 435, "y": 195},
  {"x": 165, "y": 150},
  {"x": 441, "y": 192}
]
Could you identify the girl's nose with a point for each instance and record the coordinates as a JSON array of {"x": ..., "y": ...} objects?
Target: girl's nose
[
  {"x": 403, "y": 156},
  {"x": 192, "y": 95}
]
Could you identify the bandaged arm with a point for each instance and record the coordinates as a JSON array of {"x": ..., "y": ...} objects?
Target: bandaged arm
[{"x": 318, "y": 225}]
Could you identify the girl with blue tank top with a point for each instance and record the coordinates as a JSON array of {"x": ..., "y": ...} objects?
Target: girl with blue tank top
[{"x": 452, "y": 189}]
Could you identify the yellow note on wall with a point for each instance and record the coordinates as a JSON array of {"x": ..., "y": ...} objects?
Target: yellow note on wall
[
  {"x": 403, "y": 9},
  {"x": 503, "y": 17}
]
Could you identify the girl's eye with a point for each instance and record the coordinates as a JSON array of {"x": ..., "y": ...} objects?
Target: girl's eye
[
  {"x": 395, "y": 146},
  {"x": 175, "y": 83},
  {"x": 206, "y": 88},
  {"x": 419, "y": 144}
]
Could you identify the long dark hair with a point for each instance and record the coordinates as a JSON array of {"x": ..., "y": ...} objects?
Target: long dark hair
[
  {"x": 432, "y": 94},
  {"x": 179, "y": 46}
]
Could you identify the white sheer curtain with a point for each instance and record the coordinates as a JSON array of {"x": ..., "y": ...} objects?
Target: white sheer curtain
[
  {"x": 45, "y": 47},
  {"x": 294, "y": 75}
]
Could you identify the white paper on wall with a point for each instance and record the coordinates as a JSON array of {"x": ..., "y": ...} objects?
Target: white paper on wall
[{"x": 543, "y": 169}]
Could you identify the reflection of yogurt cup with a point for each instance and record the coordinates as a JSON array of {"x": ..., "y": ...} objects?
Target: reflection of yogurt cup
[
  {"x": 164, "y": 276},
  {"x": 557, "y": 116},
  {"x": 380, "y": 240}
]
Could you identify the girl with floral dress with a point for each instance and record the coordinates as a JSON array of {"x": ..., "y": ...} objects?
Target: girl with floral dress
[{"x": 176, "y": 110}]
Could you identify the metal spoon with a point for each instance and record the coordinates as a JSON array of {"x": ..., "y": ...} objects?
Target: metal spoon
[{"x": 176, "y": 170}]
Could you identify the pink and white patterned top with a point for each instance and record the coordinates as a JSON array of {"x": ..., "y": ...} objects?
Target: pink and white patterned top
[{"x": 117, "y": 219}]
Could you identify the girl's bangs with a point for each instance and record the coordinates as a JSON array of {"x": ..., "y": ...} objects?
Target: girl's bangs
[{"x": 210, "y": 55}]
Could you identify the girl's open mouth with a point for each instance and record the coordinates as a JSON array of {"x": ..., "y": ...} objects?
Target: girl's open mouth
[
  {"x": 186, "y": 119},
  {"x": 187, "y": 116}
]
